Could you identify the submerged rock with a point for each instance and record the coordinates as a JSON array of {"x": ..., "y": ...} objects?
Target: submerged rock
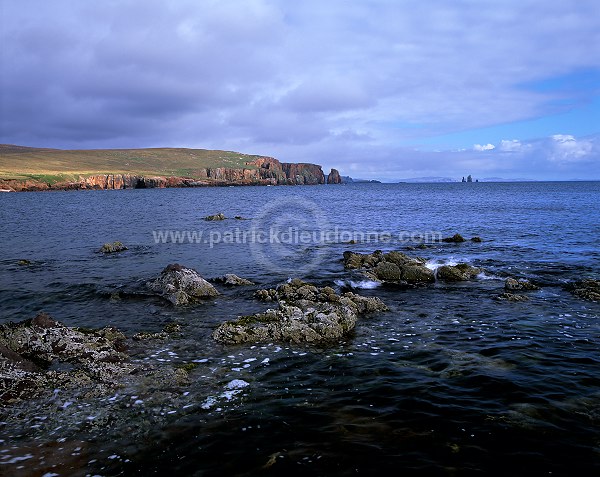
[
  {"x": 29, "y": 348},
  {"x": 457, "y": 273},
  {"x": 511, "y": 297},
  {"x": 112, "y": 247},
  {"x": 587, "y": 289},
  {"x": 218, "y": 216},
  {"x": 232, "y": 280},
  {"x": 456, "y": 238},
  {"x": 514, "y": 284},
  {"x": 393, "y": 267},
  {"x": 476, "y": 239},
  {"x": 181, "y": 285},
  {"x": 305, "y": 314}
]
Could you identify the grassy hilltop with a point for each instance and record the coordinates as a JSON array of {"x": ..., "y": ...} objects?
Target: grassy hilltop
[{"x": 56, "y": 165}]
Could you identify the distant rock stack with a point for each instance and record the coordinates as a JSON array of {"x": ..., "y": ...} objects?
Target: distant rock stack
[{"x": 334, "y": 177}]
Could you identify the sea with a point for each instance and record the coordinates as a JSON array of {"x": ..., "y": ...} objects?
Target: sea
[{"x": 450, "y": 381}]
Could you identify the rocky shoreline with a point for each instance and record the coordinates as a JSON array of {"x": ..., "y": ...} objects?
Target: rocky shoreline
[
  {"x": 39, "y": 353},
  {"x": 104, "y": 385},
  {"x": 259, "y": 172}
]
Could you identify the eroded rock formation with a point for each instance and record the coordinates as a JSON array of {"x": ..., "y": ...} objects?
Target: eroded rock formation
[{"x": 305, "y": 314}]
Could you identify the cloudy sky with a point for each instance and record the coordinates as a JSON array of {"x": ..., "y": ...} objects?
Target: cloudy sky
[{"x": 383, "y": 89}]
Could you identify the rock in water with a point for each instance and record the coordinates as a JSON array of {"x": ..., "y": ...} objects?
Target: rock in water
[
  {"x": 456, "y": 238},
  {"x": 513, "y": 284},
  {"x": 112, "y": 247},
  {"x": 29, "y": 347},
  {"x": 305, "y": 314},
  {"x": 511, "y": 297},
  {"x": 457, "y": 273},
  {"x": 181, "y": 285},
  {"x": 232, "y": 280},
  {"x": 586, "y": 289},
  {"x": 393, "y": 267},
  {"x": 334, "y": 177},
  {"x": 218, "y": 216}
]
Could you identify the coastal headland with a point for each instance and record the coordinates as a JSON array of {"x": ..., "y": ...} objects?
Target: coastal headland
[{"x": 35, "y": 169}]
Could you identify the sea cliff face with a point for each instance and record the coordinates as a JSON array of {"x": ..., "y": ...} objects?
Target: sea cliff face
[
  {"x": 334, "y": 177},
  {"x": 261, "y": 171}
]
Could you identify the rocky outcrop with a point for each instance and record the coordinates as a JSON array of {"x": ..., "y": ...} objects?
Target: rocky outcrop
[
  {"x": 181, "y": 285},
  {"x": 586, "y": 289},
  {"x": 511, "y": 297},
  {"x": 393, "y": 267},
  {"x": 303, "y": 174},
  {"x": 112, "y": 247},
  {"x": 457, "y": 273},
  {"x": 29, "y": 349},
  {"x": 259, "y": 171},
  {"x": 232, "y": 280},
  {"x": 216, "y": 217},
  {"x": 456, "y": 238},
  {"x": 305, "y": 314},
  {"x": 512, "y": 284},
  {"x": 334, "y": 177}
]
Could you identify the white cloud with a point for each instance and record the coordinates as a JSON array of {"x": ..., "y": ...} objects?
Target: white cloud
[
  {"x": 483, "y": 147},
  {"x": 510, "y": 145},
  {"x": 565, "y": 148}
]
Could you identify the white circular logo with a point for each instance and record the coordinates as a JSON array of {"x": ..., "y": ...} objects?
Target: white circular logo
[{"x": 287, "y": 236}]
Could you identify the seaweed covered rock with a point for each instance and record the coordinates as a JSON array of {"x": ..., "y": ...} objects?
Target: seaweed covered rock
[
  {"x": 216, "y": 217},
  {"x": 392, "y": 267},
  {"x": 511, "y": 297},
  {"x": 456, "y": 238},
  {"x": 28, "y": 349},
  {"x": 457, "y": 273},
  {"x": 44, "y": 340},
  {"x": 233, "y": 280},
  {"x": 512, "y": 284},
  {"x": 305, "y": 314},
  {"x": 112, "y": 247},
  {"x": 587, "y": 289},
  {"x": 181, "y": 285}
]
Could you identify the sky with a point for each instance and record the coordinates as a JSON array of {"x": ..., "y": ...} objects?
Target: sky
[{"x": 379, "y": 89}]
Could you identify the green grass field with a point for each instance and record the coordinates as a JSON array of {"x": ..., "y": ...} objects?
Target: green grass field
[{"x": 54, "y": 165}]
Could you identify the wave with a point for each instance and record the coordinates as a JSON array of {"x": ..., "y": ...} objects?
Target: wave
[
  {"x": 362, "y": 284},
  {"x": 434, "y": 264}
]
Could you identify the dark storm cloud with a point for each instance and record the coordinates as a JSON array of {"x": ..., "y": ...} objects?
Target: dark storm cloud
[{"x": 350, "y": 84}]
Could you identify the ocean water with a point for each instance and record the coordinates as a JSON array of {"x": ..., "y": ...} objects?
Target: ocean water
[{"x": 450, "y": 381}]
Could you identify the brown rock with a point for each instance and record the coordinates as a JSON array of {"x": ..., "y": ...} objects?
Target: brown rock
[
  {"x": 42, "y": 320},
  {"x": 511, "y": 297},
  {"x": 456, "y": 238},
  {"x": 181, "y": 285},
  {"x": 305, "y": 314},
  {"x": 513, "y": 284},
  {"x": 587, "y": 289},
  {"x": 334, "y": 177},
  {"x": 457, "y": 273}
]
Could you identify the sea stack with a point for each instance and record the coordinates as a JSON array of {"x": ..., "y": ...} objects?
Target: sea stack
[{"x": 334, "y": 177}]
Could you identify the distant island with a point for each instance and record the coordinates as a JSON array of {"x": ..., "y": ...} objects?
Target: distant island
[
  {"x": 443, "y": 180},
  {"x": 33, "y": 169},
  {"x": 350, "y": 180}
]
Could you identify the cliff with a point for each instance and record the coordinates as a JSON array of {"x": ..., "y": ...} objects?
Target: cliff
[
  {"x": 334, "y": 177},
  {"x": 244, "y": 170},
  {"x": 297, "y": 174}
]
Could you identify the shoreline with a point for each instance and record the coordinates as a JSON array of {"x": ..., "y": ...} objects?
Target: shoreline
[{"x": 186, "y": 183}]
